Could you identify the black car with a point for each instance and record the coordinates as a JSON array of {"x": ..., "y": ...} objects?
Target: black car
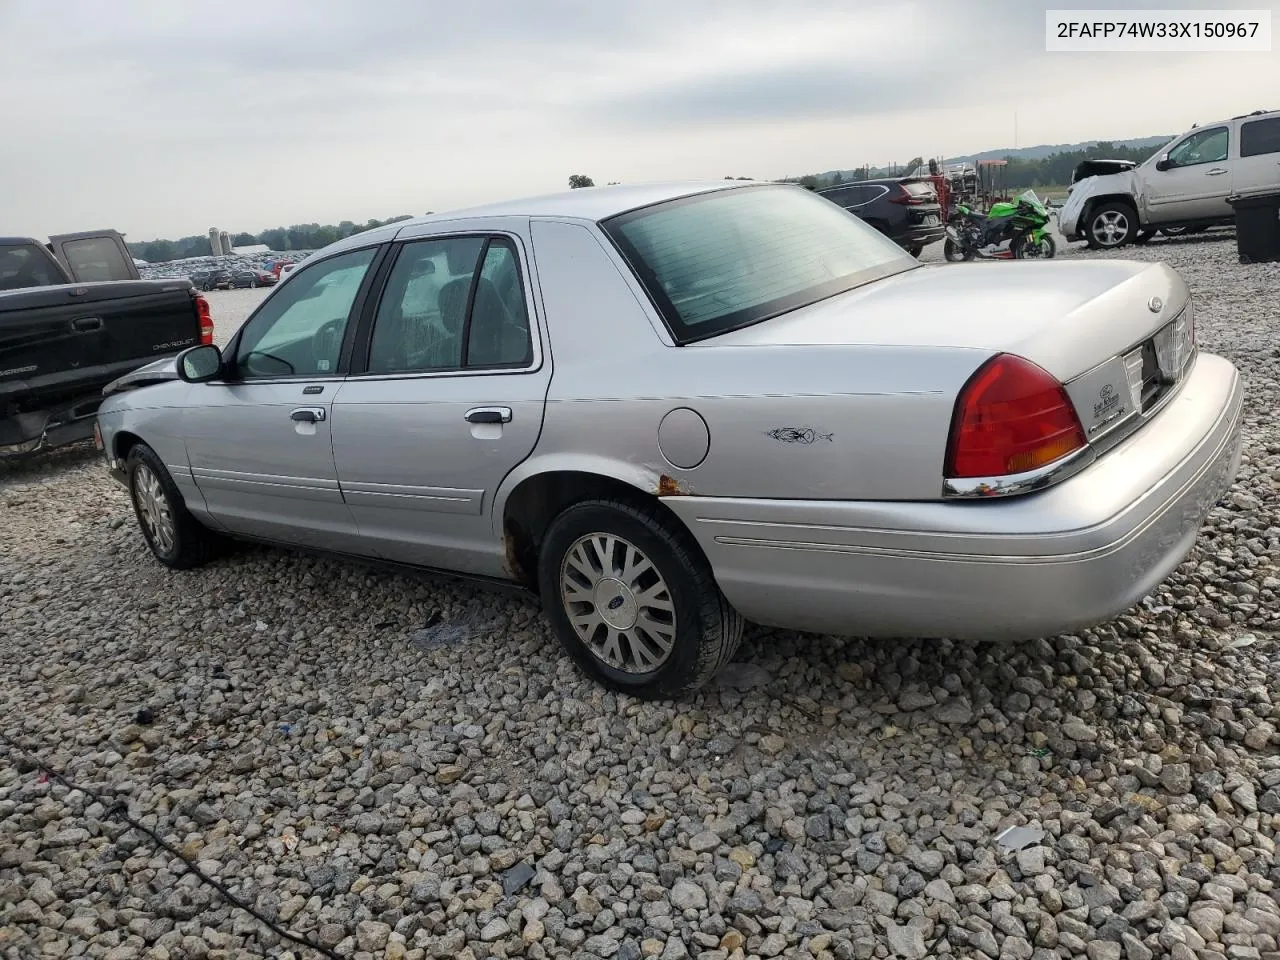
[
  {"x": 245, "y": 279},
  {"x": 904, "y": 209}
]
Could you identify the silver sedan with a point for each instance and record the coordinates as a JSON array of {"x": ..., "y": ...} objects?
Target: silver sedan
[{"x": 669, "y": 408}]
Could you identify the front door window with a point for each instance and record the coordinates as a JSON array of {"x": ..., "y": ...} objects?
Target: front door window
[
  {"x": 1207, "y": 146},
  {"x": 300, "y": 329}
]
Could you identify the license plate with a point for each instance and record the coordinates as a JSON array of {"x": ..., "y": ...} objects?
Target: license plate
[
  {"x": 1161, "y": 361},
  {"x": 931, "y": 221}
]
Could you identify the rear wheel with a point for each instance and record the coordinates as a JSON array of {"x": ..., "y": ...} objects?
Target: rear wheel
[
  {"x": 175, "y": 537},
  {"x": 915, "y": 249},
  {"x": 1111, "y": 225},
  {"x": 633, "y": 601},
  {"x": 955, "y": 253}
]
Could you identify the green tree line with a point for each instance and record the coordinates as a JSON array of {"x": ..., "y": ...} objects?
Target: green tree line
[{"x": 300, "y": 236}]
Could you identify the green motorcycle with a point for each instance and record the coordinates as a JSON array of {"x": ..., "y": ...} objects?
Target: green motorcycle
[{"x": 1022, "y": 223}]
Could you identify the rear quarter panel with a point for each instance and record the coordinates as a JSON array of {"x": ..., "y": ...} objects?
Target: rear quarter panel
[{"x": 847, "y": 422}]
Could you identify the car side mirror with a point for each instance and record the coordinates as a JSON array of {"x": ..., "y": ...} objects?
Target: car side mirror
[
  {"x": 199, "y": 364},
  {"x": 1163, "y": 163}
]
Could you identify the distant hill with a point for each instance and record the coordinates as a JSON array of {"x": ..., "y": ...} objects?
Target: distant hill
[
  {"x": 1046, "y": 149},
  {"x": 1039, "y": 152}
]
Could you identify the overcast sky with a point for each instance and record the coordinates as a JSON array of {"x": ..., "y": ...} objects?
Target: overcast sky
[{"x": 165, "y": 118}]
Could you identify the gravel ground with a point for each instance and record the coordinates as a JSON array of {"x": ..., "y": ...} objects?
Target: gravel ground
[{"x": 298, "y": 729}]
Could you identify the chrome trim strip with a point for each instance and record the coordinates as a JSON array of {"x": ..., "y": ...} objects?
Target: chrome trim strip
[{"x": 1019, "y": 483}]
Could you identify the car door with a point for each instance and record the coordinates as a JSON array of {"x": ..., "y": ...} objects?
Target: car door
[
  {"x": 259, "y": 442},
  {"x": 1258, "y": 168},
  {"x": 450, "y": 399},
  {"x": 1196, "y": 180}
]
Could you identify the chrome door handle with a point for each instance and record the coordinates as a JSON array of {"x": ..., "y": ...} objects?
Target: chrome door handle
[
  {"x": 308, "y": 415},
  {"x": 489, "y": 415},
  {"x": 1216, "y": 171}
]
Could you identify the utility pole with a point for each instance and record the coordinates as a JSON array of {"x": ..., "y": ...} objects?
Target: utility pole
[{"x": 1015, "y": 129}]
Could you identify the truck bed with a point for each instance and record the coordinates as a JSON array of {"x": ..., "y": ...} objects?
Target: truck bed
[{"x": 60, "y": 345}]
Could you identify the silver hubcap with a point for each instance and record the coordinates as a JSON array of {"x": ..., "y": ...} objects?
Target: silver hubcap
[
  {"x": 153, "y": 507},
  {"x": 1110, "y": 228},
  {"x": 618, "y": 603}
]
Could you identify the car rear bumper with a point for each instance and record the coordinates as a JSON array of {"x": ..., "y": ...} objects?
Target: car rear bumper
[
  {"x": 922, "y": 236},
  {"x": 1018, "y": 568}
]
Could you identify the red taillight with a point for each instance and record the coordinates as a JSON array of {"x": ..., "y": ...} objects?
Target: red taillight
[
  {"x": 1011, "y": 417},
  {"x": 206, "y": 318},
  {"x": 907, "y": 197}
]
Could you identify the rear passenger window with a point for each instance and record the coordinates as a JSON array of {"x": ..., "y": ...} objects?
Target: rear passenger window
[
  {"x": 450, "y": 304},
  {"x": 1260, "y": 136}
]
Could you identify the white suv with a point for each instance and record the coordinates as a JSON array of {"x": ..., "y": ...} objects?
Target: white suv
[{"x": 1183, "y": 185}]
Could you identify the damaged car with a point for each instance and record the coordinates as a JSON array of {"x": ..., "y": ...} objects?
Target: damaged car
[
  {"x": 669, "y": 409},
  {"x": 74, "y": 316}
]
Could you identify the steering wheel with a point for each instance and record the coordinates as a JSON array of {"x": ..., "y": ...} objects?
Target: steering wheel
[{"x": 327, "y": 343}]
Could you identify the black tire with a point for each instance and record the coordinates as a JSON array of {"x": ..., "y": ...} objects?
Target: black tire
[
  {"x": 1143, "y": 236},
  {"x": 954, "y": 253},
  {"x": 706, "y": 629},
  {"x": 1110, "y": 226},
  {"x": 192, "y": 544},
  {"x": 1021, "y": 247},
  {"x": 916, "y": 249}
]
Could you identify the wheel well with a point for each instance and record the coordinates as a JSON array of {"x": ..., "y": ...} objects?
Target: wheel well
[
  {"x": 539, "y": 499},
  {"x": 1095, "y": 202},
  {"x": 123, "y": 442}
]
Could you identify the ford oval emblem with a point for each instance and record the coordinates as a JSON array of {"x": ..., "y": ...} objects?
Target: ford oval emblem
[{"x": 1155, "y": 304}]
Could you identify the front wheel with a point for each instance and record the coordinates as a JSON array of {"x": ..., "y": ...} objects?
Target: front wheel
[
  {"x": 1111, "y": 225},
  {"x": 956, "y": 253},
  {"x": 175, "y": 537},
  {"x": 633, "y": 601},
  {"x": 1027, "y": 247}
]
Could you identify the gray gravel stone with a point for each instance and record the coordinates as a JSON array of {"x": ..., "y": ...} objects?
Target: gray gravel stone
[{"x": 376, "y": 794}]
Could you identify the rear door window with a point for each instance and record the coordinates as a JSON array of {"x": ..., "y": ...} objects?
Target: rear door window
[{"x": 1259, "y": 137}]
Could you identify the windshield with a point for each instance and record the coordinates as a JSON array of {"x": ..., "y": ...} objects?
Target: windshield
[
  {"x": 1029, "y": 196},
  {"x": 720, "y": 261}
]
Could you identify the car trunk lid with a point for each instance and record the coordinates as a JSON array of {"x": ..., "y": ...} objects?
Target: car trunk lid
[{"x": 1066, "y": 317}]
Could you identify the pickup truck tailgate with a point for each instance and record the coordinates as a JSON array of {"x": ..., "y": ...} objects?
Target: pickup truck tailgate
[{"x": 47, "y": 333}]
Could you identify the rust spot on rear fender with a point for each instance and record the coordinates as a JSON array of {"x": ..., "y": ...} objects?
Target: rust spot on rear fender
[
  {"x": 511, "y": 551},
  {"x": 671, "y": 487}
]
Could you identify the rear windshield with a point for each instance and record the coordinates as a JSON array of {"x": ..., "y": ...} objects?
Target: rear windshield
[
  {"x": 96, "y": 258},
  {"x": 26, "y": 266},
  {"x": 920, "y": 188},
  {"x": 720, "y": 261}
]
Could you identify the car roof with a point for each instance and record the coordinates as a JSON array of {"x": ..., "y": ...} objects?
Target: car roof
[{"x": 587, "y": 203}]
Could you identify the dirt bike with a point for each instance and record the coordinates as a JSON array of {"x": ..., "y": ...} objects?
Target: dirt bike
[{"x": 1021, "y": 223}]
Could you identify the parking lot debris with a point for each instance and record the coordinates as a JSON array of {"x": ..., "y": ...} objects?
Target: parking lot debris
[
  {"x": 743, "y": 676},
  {"x": 517, "y": 878},
  {"x": 1017, "y": 838},
  {"x": 438, "y": 632}
]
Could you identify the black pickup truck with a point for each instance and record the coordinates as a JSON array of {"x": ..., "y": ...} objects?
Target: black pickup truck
[{"x": 75, "y": 315}]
